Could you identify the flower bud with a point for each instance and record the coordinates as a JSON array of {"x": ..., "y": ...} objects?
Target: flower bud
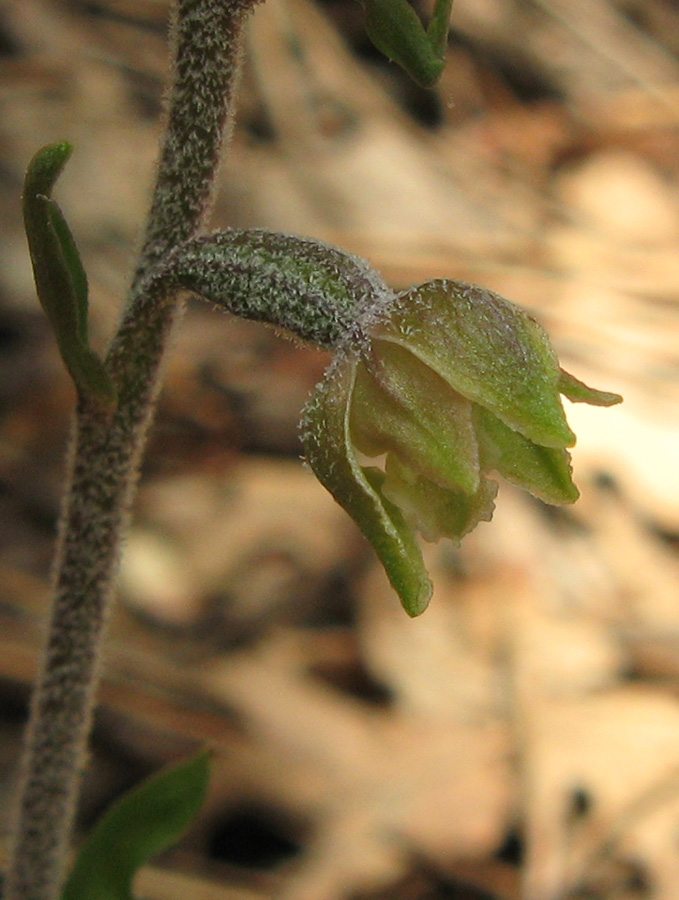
[{"x": 454, "y": 383}]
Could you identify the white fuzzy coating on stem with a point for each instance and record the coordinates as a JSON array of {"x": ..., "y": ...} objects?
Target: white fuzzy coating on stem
[
  {"x": 107, "y": 449},
  {"x": 207, "y": 34},
  {"x": 316, "y": 291}
]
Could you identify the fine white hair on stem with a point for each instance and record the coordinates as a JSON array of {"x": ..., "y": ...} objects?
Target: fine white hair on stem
[{"x": 106, "y": 449}]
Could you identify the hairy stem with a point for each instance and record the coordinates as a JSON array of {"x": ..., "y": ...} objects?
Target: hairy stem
[
  {"x": 107, "y": 449},
  {"x": 311, "y": 289}
]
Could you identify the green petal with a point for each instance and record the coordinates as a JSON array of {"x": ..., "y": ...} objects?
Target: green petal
[
  {"x": 543, "y": 471},
  {"x": 329, "y": 452},
  {"x": 579, "y": 392},
  {"x": 487, "y": 349},
  {"x": 401, "y": 405},
  {"x": 435, "y": 511}
]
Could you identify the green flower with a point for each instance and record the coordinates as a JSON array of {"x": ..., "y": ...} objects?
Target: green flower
[{"x": 451, "y": 384}]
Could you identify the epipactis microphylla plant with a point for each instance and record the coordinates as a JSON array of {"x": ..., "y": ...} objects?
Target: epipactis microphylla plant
[
  {"x": 430, "y": 392},
  {"x": 447, "y": 381}
]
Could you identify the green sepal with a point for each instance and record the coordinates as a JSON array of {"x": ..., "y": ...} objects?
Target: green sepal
[
  {"x": 60, "y": 278},
  {"x": 395, "y": 29},
  {"x": 488, "y": 350},
  {"x": 579, "y": 392},
  {"x": 328, "y": 447},
  {"x": 544, "y": 472},
  {"x": 142, "y": 823}
]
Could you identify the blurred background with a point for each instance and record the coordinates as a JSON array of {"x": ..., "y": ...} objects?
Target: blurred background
[{"x": 519, "y": 740}]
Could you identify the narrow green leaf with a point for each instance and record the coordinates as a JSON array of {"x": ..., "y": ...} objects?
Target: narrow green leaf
[
  {"x": 53, "y": 281},
  {"x": 52, "y": 277},
  {"x": 437, "y": 32},
  {"x": 43, "y": 171},
  {"x": 395, "y": 29},
  {"x": 74, "y": 265},
  {"x": 60, "y": 278},
  {"x": 145, "y": 821}
]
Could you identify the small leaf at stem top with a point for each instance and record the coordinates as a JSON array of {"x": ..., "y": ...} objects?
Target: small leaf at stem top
[
  {"x": 395, "y": 29},
  {"x": 60, "y": 278}
]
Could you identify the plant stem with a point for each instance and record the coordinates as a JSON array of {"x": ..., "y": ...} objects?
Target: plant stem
[{"x": 107, "y": 449}]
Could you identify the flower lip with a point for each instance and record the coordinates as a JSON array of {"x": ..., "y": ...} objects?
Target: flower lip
[{"x": 453, "y": 384}]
